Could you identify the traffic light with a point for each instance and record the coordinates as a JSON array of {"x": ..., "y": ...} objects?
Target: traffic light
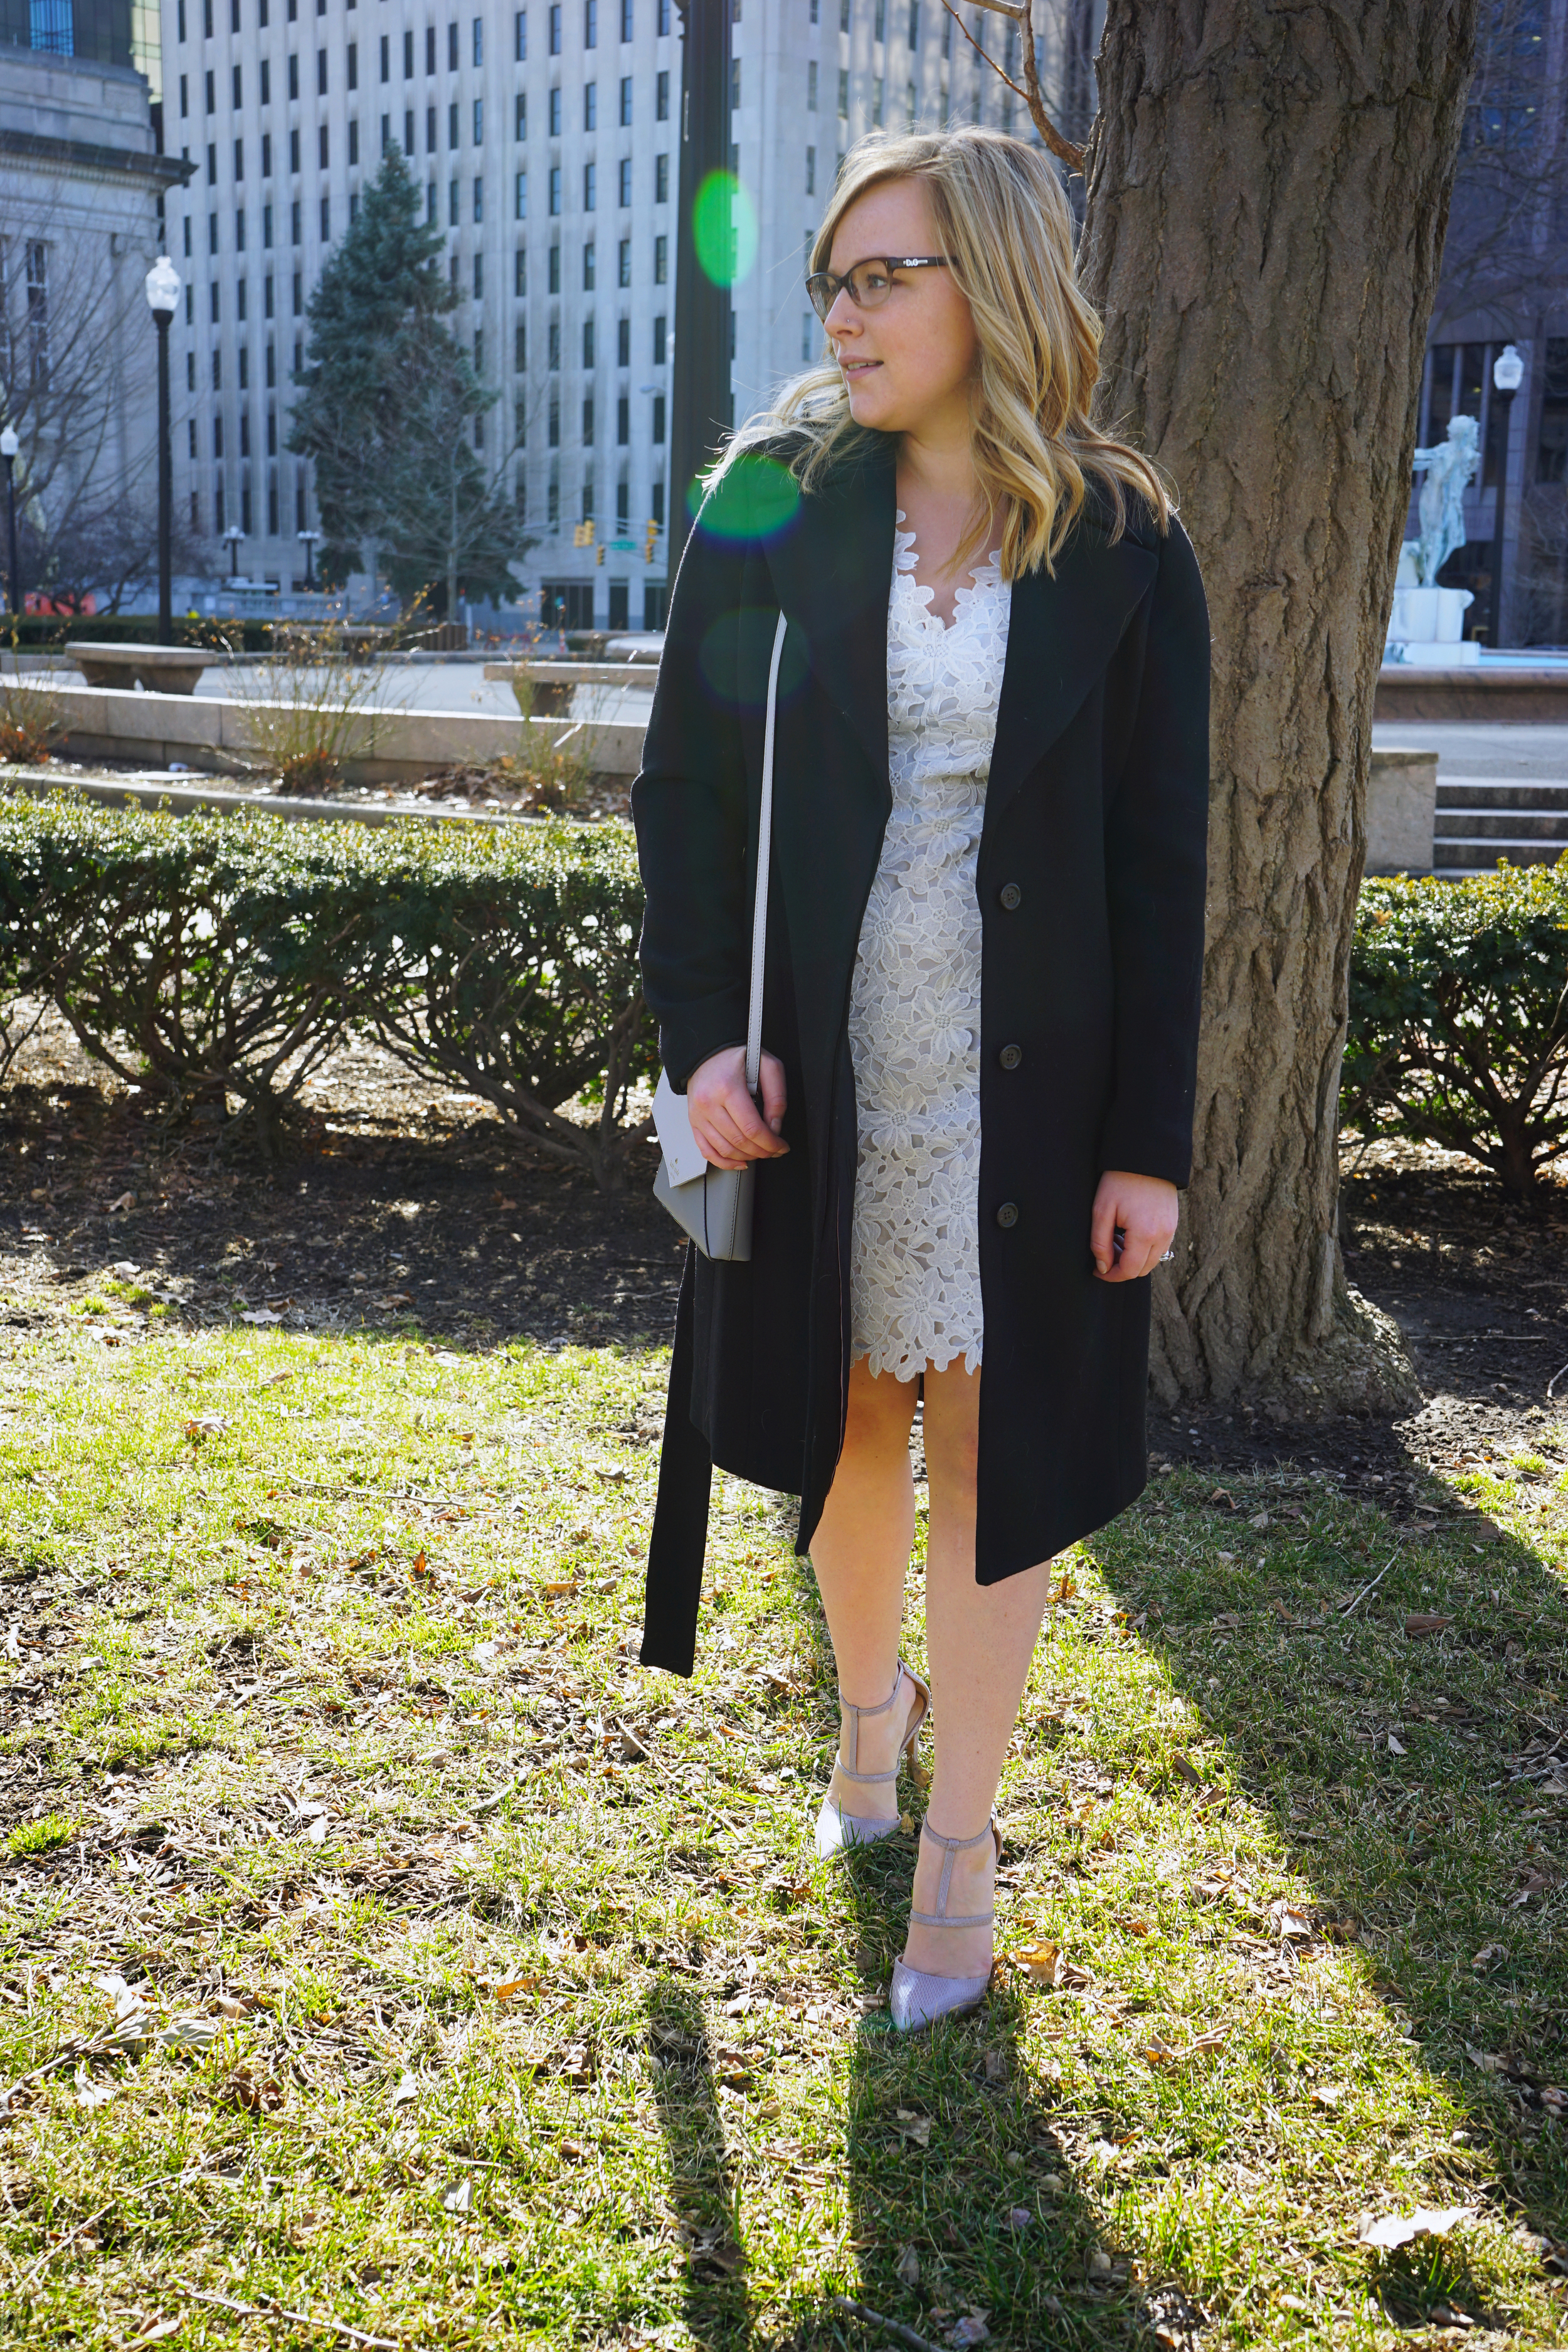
[
  {"x": 600, "y": 557},
  {"x": 582, "y": 534},
  {"x": 651, "y": 542}
]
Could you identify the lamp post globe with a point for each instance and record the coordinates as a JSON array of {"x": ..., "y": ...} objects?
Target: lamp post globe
[
  {"x": 307, "y": 541},
  {"x": 10, "y": 447},
  {"x": 162, "y": 291},
  {"x": 1508, "y": 375}
]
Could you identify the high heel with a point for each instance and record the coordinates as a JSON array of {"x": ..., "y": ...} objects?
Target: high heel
[
  {"x": 836, "y": 1829},
  {"x": 920, "y": 1996}
]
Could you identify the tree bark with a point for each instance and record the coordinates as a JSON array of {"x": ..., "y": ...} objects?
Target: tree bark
[{"x": 1267, "y": 191}]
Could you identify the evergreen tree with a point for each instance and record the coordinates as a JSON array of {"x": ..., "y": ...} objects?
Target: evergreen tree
[{"x": 386, "y": 411}]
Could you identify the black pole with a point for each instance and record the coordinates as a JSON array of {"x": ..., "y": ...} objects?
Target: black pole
[
  {"x": 1494, "y": 613},
  {"x": 10, "y": 506},
  {"x": 699, "y": 391},
  {"x": 165, "y": 489}
]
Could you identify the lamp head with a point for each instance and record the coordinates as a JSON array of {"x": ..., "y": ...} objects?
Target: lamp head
[
  {"x": 9, "y": 443},
  {"x": 162, "y": 284},
  {"x": 1508, "y": 370}
]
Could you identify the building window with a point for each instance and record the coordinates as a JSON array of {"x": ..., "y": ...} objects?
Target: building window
[
  {"x": 623, "y": 422},
  {"x": 321, "y": 73},
  {"x": 408, "y": 130},
  {"x": 1552, "y": 442},
  {"x": 660, "y": 260},
  {"x": 590, "y": 106},
  {"x": 625, "y": 186},
  {"x": 590, "y": 266},
  {"x": 430, "y": 49},
  {"x": 267, "y": 299},
  {"x": 479, "y": 351},
  {"x": 590, "y": 23},
  {"x": 909, "y": 103},
  {"x": 623, "y": 343},
  {"x": 876, "y": 100},
  {"x": 844, "y": 93},
  {"x": 430, "y": 207},
  {"x": 478, "y": 40},
  {"x": 554, "y": 190},
  {"x": 454, "y": 209},
  {"x": 239, "y": 159},
  {"x": 267, "y": 155},
  {"x": 478, "y": 276},
  {"x": 452, "y": 49},
  {"x": 588, "y": 421},
  {"x": 659, "y": 504},
  {"x": 626, "y": 101},
  {"x": 212, "y": 301},
  {"x": 662, "y": 26},
  {"x": 554, "y": 360},
  {"x": 520, "y": 347},
  {"x": 522, "y": 196},
  {"x": 590, "y": 186},
  {"x": 520, "y": 272},
  {"x": 326, "y": 219},
  {"x": 323, "y": 144},
  {"x": 184, "y": 94},
  {"x": 271, "y": 354},
  {"x": 385, "y": 58},
  {"x": 430, "y": 140},
  {"x": 661, "y": 179},
  {"x": 589, "y": 353},
  {"x": 520, "y": 125},
  {"x": 734, "y": 83},
  {"x": 625, "y": 20},
  {"x": 299, "y": 295},
  {"x": 555, "y": 270},
  {"x": 661, "y": 94},
  {"x": 479, "y": 200},
  {"x": 811, "y": 87},
  {"x": 453, "y": 136},
  {"x": 553, "y": 502},
  {"x": 212, "y": 93},
  {"x": 660, "y": 340},
  {"x": 555, "y": 28},
  {"x": 479, "y": 123},
  {"x": 351, "y": 63},
  {"x": 521, "y": 27},
  {"x": 555, "y": 112},
  {"x": 294, "y": 148},
  {"x": 659, "y": 418},
  {"x": 238, "y": 100},
  {"x": 353, "y": 139},
  {"x": 623, "y": 269},
  {"x": 552, "y": 427},
  {"x": 811, "y": 171},
  {"x": 240, "y": 238}
]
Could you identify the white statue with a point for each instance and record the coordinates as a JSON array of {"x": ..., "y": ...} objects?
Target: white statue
[{"x": 1449, "y": 469}]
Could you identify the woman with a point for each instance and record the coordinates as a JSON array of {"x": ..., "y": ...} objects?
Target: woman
[{"x": 982, "y": 987}]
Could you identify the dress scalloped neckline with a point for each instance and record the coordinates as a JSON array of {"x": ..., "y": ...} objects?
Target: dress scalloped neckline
[{"x": 986, "y": 578}]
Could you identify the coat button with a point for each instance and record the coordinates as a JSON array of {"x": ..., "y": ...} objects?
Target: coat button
[
  {"x": 1010, "y": 1057},
  {"x": 1007, "y": 1214},
  {"x": 1012, "y": 897}
]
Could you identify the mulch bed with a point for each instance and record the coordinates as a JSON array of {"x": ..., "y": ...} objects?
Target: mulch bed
[{"x": 408, "y": 1206}]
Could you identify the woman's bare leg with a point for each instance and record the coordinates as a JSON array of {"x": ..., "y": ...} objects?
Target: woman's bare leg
[
  {"x": 860, "y": 1552},
  {"x": 979, "y": 1641}
]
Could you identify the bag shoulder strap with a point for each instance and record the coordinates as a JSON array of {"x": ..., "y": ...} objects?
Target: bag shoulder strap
[{"x": 764, "y": 859}]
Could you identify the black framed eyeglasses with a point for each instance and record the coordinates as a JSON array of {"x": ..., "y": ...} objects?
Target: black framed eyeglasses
[{"x": 868, "y": 284}]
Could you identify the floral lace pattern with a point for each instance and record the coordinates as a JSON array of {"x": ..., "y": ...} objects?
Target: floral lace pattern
[{"x": 914, "y": 1008}]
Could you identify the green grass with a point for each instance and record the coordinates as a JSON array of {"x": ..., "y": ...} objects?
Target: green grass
[{"x": 378, "y": 1942}]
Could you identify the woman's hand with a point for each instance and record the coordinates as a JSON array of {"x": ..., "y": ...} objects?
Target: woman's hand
[
  {"x": 1143, "y": 1209},
  {"x": 724, "y": 1118}
]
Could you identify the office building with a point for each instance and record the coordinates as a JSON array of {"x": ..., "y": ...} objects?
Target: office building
[{"x": 546, "y": 139}]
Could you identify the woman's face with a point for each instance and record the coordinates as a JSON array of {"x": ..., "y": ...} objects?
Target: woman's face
[{"x": 908, "y": 363}]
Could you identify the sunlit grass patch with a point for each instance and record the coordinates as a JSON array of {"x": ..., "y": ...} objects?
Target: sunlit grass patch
[{"x": 376, "y": 1938}]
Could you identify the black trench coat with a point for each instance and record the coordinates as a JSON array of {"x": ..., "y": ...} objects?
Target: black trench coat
[{"x": 1091, "y": 883}]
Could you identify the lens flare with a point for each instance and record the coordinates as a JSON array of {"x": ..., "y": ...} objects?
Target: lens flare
[{"x": 724, "y": 230}]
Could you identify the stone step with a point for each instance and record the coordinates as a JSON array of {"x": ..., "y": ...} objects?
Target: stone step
[
  {"x": 1485, "y": 792},
  {"x": 1469, "y": 855},
  {"x": 1501, "y": 823}
]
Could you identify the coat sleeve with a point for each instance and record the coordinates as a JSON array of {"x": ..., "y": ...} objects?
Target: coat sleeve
[
  {"x": 688, "y": 802},
  {"x": 1156, "y": 858}
]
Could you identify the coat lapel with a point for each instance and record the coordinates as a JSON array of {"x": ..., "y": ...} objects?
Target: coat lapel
[
  {"x": 833, "y": 576},
  {"x": 1061, "y": 634}
]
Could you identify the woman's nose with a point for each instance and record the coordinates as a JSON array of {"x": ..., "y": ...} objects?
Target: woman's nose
[{"x": 841, "y": 319}]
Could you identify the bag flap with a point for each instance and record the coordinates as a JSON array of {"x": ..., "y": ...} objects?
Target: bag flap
[{"x": 672, "y": 1124}]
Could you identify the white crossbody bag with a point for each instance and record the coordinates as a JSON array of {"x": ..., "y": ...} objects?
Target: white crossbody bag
[{"x": 714, "y": 1204}]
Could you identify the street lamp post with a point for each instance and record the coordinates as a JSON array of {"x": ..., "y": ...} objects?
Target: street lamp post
[
  {"x": 1508, "y": 375},
  {"x": 233, "y": 540},
  {"x": 162, "y": 286},
  {"x": 699, "y": 389},
  {"x": 308, "y": 539},
  {"x": 9, "y": 446}
]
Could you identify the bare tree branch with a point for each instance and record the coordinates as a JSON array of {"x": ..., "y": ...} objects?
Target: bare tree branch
[{"x": 1023, "y": 13}]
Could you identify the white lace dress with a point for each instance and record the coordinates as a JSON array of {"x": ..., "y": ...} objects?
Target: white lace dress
[{"x": 914, "y": 1007}]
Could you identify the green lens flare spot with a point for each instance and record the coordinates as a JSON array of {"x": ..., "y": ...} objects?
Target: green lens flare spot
[
  {"x": 752, "y": 499},
  {"x": 724, "y": 230}
]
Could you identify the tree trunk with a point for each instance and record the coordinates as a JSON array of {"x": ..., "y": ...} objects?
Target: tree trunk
[{"x": 1267, "y": 191}]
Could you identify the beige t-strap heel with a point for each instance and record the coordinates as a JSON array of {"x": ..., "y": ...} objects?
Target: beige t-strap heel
[{"x": 836, "y": 1829}]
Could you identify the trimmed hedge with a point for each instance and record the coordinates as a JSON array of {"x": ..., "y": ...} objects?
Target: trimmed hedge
[
  {"x": 220, "y": 957},
  {"x": 1458, "y": 1017}
]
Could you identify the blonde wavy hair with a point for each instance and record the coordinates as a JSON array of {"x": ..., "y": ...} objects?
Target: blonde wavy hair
[{"x": 1001, "y": 219}]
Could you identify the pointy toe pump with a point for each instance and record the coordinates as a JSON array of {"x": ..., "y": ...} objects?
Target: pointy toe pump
[
  {"x": 835, "y": 1829},
  {"x": 920, "y": 1996}
]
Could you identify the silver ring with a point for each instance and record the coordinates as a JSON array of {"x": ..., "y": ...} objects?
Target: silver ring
[{"x": 1169, "y": 1253}]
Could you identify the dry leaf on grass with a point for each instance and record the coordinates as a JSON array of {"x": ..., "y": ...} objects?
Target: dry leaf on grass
[
  {"x": 258, "y": 2095},
  {"x": 914, "y": 2127},
  {"x": 1289, "y": 1921},
  {"x": 1330, "y": 2097},
  {"x": 1427, "y": 1621},
  {"x": 1187, "y": 1768},
  {"x": 908, "y": 2267},
  {"x": 1041, "y": 1963},
  {"x": 971, "y": 2329},
  {"x": 1391, "y": 2230}
]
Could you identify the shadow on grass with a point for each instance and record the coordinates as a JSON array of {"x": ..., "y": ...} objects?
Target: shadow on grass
[
  {"x": 1392, "y": 1702},
  {"x": 704, "y": 2179}
]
